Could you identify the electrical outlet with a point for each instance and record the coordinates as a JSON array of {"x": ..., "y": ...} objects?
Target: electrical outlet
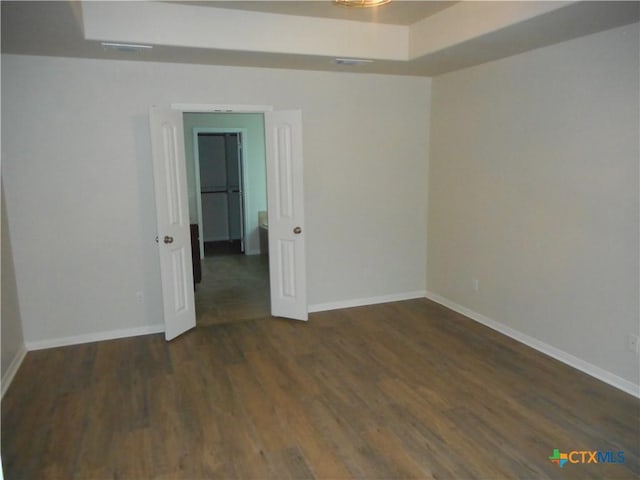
[
  {"x": 140, "y": 297},
  {"x": 475, "y": 284},
  {"x": 633, "y": 343}
]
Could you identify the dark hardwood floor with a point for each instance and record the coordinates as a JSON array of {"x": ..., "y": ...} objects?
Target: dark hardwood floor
[{"x": 400, "y": 390}]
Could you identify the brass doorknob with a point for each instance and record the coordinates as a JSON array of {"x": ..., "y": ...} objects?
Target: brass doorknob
[
  {"x": 168, "y": 239},
  {"x": 297, "y": 230}
]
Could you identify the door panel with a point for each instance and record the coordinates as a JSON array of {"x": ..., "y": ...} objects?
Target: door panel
[
  {"x": 235, "y": 218},
  {"x": 172, "y": 212},
  {"x": 213, "y": 167},
  {"x": 215, "y": 217},
  {"x": 287, "y": 258},
  {"x": 231, "y": 152}
]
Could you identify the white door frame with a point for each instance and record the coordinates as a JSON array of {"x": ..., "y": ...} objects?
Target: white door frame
[
  {"x": 243, "y": 132},
  {"x": 220, "y": 108}
]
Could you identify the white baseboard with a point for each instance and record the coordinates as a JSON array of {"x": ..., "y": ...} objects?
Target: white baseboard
[
  {"x": 94, "y": 337},
  {"x": 571, "y": 360},
  {"x": 359, "y": 302},
  {"x": 7, "y": 378}
]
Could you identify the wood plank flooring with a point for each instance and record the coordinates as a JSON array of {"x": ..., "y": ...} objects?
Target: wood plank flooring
[{"x": 395, "y": 391}]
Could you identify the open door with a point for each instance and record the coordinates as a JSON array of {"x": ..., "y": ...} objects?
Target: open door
[
  {"x": 172, "y": 212},
  {"x": 285, "y": 197}
]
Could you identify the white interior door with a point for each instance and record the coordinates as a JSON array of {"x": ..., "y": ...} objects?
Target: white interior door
[
  {"x": 285, "y": 197},
  {"x": 172, "y": 211}
]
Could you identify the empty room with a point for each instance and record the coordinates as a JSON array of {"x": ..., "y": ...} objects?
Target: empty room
[{"x": 320, "y": 239}]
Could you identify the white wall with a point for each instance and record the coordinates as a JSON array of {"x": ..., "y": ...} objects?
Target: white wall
[
  {"x": 13, "y": 348},
  {"x": 79, "y": 188},
  {"x": 533, "y": 190}
]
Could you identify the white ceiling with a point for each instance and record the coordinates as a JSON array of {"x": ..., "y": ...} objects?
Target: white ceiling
[{"x": 408, "y": 38}]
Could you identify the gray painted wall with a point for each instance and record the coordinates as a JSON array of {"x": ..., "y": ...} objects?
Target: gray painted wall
[
  {"x": 533, "y": 191},
  {"x": 80, "y": 197},
  {"x": 12, "y": 339}
]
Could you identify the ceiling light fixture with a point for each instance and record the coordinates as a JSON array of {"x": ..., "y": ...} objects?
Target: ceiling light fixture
[{"x": 361, "y": 3}]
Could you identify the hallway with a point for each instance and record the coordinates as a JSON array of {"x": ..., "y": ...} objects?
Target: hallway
[{"x": 234, "y": 287}]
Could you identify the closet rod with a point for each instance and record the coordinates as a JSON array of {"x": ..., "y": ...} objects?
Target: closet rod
[{"x": 219, "y": 191}]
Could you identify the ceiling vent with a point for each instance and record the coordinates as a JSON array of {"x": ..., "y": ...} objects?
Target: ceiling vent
[
  {"x": 351, "y": 62},
  {"x": 125, "y": 47}
]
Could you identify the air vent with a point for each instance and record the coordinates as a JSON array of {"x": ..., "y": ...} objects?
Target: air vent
[
  {"x": 125, "y": 47},
  {"x": 351, "y": 62}
]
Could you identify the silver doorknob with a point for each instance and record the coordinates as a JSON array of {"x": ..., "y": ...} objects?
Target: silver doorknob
[
  {"x": 297, "y": 230},
  {"x": 168, "y": 239}
]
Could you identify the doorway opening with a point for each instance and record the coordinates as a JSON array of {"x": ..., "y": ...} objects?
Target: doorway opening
[
  {"x": 281, "y": 134},
  {"x": 225, "y": 156}
]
